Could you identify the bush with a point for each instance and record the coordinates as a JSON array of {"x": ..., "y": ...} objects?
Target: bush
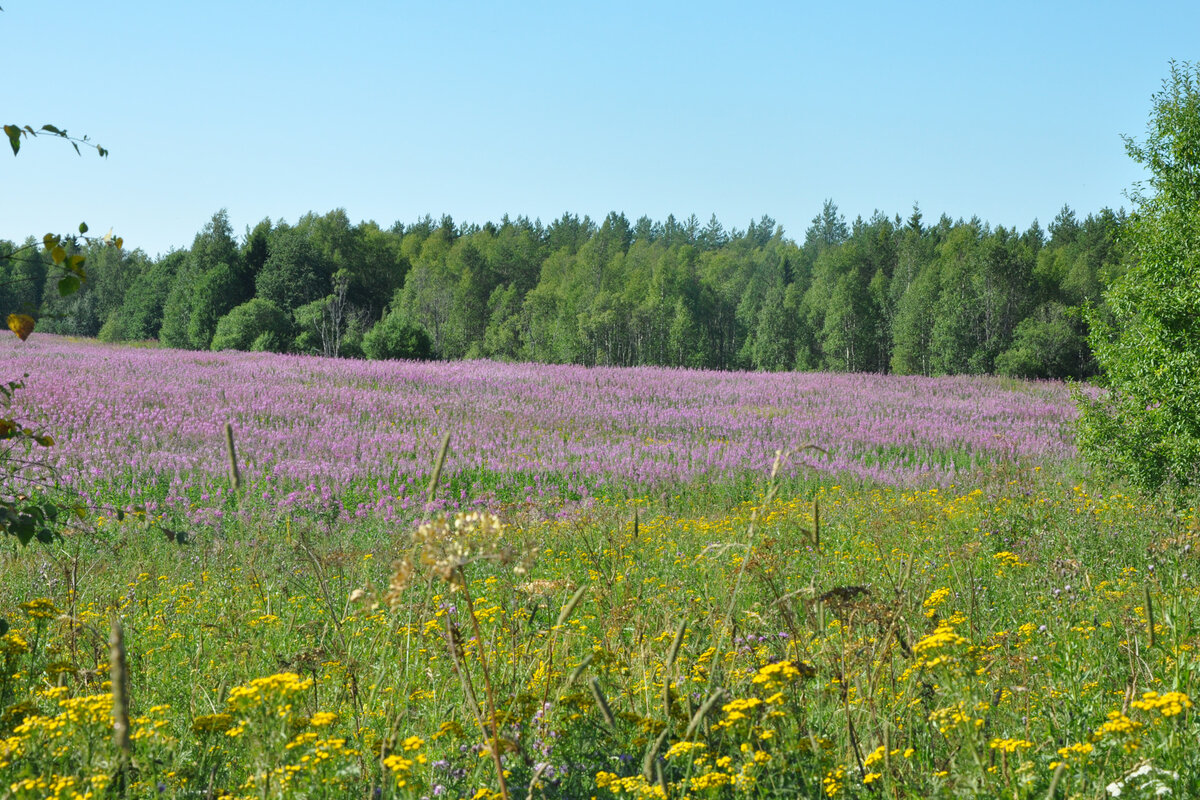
[
  {"x": 307, "y": 339},
  {"x": 257, "y": 324},
  {"x": 1146, "y": 427},
  {"x": 269, "y": 342},
  {"x": 352, "y": 340},
  {"x": 1045, "y": 345},
  {"x": 395, "y": 336},
  {"x": 113, "y": 329}
]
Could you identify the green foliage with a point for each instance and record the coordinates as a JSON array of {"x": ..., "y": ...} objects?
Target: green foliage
[
  {"x": 256, "y": 247},
  {"x": 295, "y": 272},
  {"x": 428, "y": 296},
  {"x": 22, "y": 516},
  {"x": 684, "y": 338},
  {"x": 114, "y": 329},
  {"x": 843, "y": 690},
  {"x": 17, "y": 133},
  {"x": 26, "y": 512},
  {"x": 1047, "y": 344},
  {"x": 1147, "y": 425},
  {"x": 257, "y": 324},
  {"x": 846, "y": 335},
  {"x": 23, "y": 272},
  {"x": 203, "y": 291},
  {"x": 955, "y": 337},
  {"x": 216, "y": 293},
  {"x": 141, "y": 313},
  {"x": 879, "y": 294},
  {"x": 353, "y": 337},
  {"x": 395, "y": 336},
  {"x": 269, "y": 342},
  {"x": 502, "y": 338},
  {"x": 76, "y": 313},
  {"x": 177, "y": 308},
  {"x": 308, "y": 320}
]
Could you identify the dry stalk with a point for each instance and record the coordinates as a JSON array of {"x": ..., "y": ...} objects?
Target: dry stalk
[
  {"x": 119, "y": 676},
  {"x": 235, "y": 475}
]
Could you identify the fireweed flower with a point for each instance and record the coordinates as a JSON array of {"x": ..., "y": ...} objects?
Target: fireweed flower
[{"x": 299, "y": 459}]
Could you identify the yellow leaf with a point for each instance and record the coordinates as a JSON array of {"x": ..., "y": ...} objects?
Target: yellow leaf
[
  {"x": 21, "y": 325},
  {"x": 58, "y": 254}
]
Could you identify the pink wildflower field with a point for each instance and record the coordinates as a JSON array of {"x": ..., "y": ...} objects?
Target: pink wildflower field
[{"x": 359, "y": 437}]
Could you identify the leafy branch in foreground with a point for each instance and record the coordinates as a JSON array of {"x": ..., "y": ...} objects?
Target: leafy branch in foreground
[
  {"x": 16, "y": 133},
  {"x": 71, "y": 264},
  {"x": 22, "y": 514}
]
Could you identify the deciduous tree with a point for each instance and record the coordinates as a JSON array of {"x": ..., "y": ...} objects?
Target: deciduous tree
[{"x": 1147, "y": 425}]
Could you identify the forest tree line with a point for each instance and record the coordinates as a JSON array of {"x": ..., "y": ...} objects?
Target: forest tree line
[{"x": 884, "y": 294}]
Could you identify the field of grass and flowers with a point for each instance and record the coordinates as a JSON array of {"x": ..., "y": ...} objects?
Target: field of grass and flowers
[{"x": 629, "y": 583}]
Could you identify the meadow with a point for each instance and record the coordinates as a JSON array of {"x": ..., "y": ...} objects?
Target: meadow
[{"x": 637, "y": 583}]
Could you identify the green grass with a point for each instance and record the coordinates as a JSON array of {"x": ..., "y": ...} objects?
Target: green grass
[{"x": 951, "y": 643}]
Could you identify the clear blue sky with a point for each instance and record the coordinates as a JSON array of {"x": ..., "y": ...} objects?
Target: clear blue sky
[{"x": 393, "y": 110}]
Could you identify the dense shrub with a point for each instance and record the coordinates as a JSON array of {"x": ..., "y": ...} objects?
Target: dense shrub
[
  {"x": 258, "y": 324},
  {"x": 113, "y": 329},
  {"x": 1147, "y": 426},
  {"x": 1045, "y": 345},
  {"x": 395, "y": 336}
]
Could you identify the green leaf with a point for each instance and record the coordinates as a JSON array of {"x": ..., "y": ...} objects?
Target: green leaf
[
  {"x": 68, "y": 285},
  {"x": 3, "y": 626},
  {"x": 54, "y": 130},
  {"x": 14, "y": 137},
  {"x": 83, "y": 227},
  {"x": 120, "y": 515}
]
